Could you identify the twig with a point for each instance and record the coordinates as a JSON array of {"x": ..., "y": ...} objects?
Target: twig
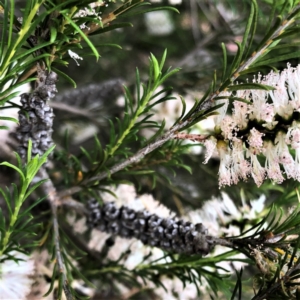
[
  {"x": 76, "y": 111},
  {"x": 220, "y": 241},
  {"x": 26, "y": 75},
  {"x": 106, "y": 19},
  {"x": 54, "y": 202},
  {"x": 192, "y": 137},
  {"x": 131, "y": 160},
  {"x": 71, "y": 109},
  {"x": 77, "y": 206}
]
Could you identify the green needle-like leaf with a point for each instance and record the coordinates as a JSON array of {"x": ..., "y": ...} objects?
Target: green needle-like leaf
[{"x": 82, "y": 34}]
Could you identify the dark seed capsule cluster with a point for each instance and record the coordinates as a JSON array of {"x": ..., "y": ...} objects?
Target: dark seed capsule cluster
[
  {"x": 169, "y": 234},
  {"x": 36, "y": 116}
]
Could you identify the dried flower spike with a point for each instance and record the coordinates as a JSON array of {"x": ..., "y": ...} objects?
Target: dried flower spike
[
  {"x": 169, "y": 234},
  {"x": 36, "y": 116}
]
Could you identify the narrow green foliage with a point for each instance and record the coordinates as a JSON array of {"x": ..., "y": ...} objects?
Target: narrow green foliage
[
  {"x": 82, "y": 34},
  {"x": 198, "y": 103},
  {"x": 68, "y": 78},
  {"x": 7, "y": 119},
  {"x": 250, "y": 86},
  {"x": 238, "y": 286},
  {"x": 237, "y": 59},
  {"x": 155, "y": 66},
  {"x": 250, "y": 30},
  {"x": 224, "y": 66},
  {"x": 279, "y": 58},
  {"x": 138, "y": 111},
  {"x": 15, "y": 199}
]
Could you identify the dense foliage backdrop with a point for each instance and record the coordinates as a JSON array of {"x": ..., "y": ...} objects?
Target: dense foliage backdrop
[{"x": 149, "y": 150}]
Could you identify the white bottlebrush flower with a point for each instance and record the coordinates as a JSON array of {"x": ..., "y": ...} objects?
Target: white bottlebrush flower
[
  {"x": 225, "y": 163},
  {"x": 240, "y": 167},
  {"x": 258, "y": 173},
  {"x": 126, "y": 195},
  {"x": 285, "y": 157},
  {"x": 293, "y": 135},
  {"x": 210, "y": 145},
  {"x": 255, "y": 126},
  {"x": 255, "y": 140},
  {"x": 15, "y": 280},
  {"x": 272, "y": 163},
  {"x": 218, "y": 220},
  {"x": 240, "y": 111}
]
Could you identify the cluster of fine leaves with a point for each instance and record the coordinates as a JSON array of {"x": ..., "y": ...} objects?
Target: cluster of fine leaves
[{"x": 18, "y": 229}]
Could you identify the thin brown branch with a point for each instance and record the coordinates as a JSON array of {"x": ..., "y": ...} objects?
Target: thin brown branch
[
  {"x": 75, "y": 205},
  {"x": 192, "y": 137},
  {"x": 107, "y": 19},
  {"x": 54, "y": 202},
  {"x": 27, "y": 74},
  {"x": 131, "y": 160},
  {"x": 76, "y": 111},
  {"x": 72, "y": 109},
  {"x": 221, "y": 242}
]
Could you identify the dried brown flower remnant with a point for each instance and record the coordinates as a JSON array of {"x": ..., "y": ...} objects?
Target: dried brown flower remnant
[
  {"x": 36, "y": 116},
  {"x": 169, "y": 234}
]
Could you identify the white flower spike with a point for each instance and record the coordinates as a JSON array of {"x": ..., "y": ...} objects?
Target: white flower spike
[{"x": 266, "y": 124}]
